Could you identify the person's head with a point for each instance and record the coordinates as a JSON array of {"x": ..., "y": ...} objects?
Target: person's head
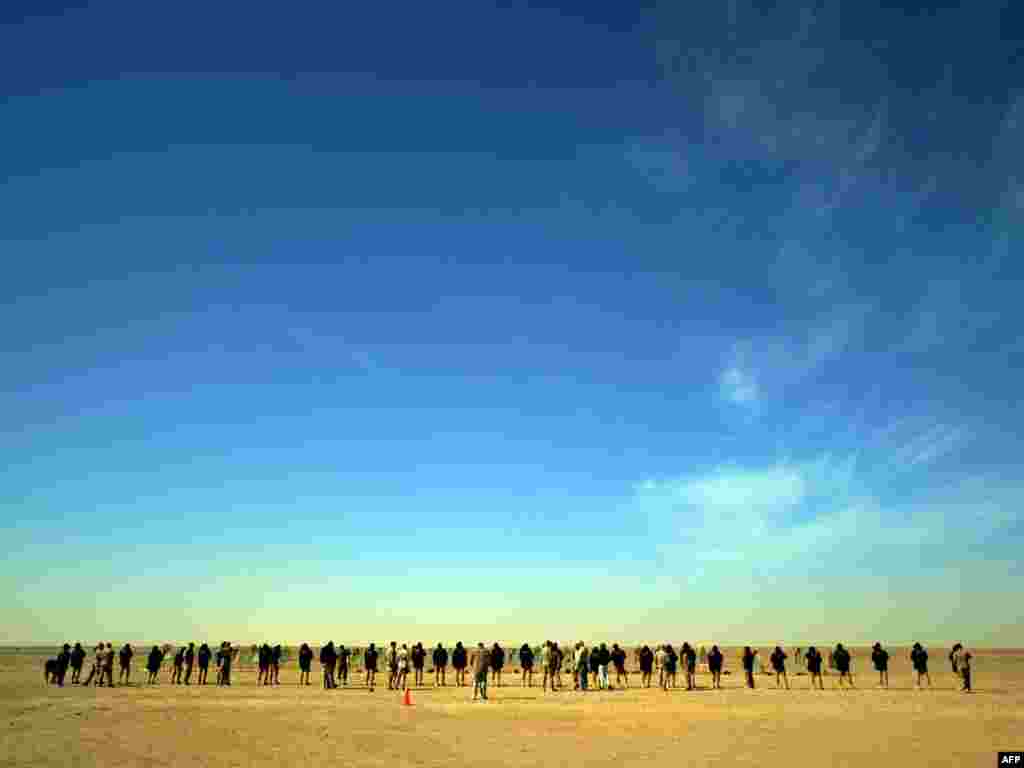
[
  {"x": 958, "y": 647},
  {"x": 839, "y": 646},
  {"x": 604, "y": 647},
  {"x": 481, "y": 646},
  {"x": 67, "y": 647},
  {"x": 778, "y": 649},
  {"x": 714, "y": 649},
  {"x": 615, "y": 646},
  {"x": 458, "y": 643},
  {"x": 155, "y": 650},
  {"x": 812, "y": 650},
  {"x": 686, "y": 646},
  {"x": 645, "y": 649},
  {"x": 877, "y": 647},
  {"x": 372, "y": 647},
  {"x": 746, "y": 649},
  {"x": 77, "y": 646},
  {"x": 394, "y": 644}
]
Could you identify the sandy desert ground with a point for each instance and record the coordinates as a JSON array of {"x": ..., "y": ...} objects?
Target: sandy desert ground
[{"x": 246, "y": 725}]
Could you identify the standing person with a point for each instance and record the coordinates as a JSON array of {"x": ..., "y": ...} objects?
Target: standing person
[
  {"x": 690, "y": 660},
  {"x": 97, "y": 666},
  {"x": 419, "y": 657},
  {"x": 156, "y": 656},
  {"x": 545, "y": 667},
  {"x": 178, "y": 666},
  {"x": 778, "y": 660},
  {"x": 582, "y": 666},
  {"x": 646, "y": 658},
  {"x": 964, "y": 659},
  {"x": 224, "y": 659},
  {"x": 702, "y": 656},
  {"x": 108, "y": 665},
  {"x": 526, "y": 662},
  {"x": 715, "y": 660},
  {"x": 263, "y": 659},
  {"x": 748, "y": 664},
  {"x": 305, "y": 663},
  {"x": 618, "y": 658},
  {"x": 63, "y": 662},
  {"x": 595, "y": 662},
  {"x": 481, "y": 666},
  {"x": 440, "y": 659},
  {"x": 604, "y": 658},
  {"x": 660, "y": 656},
  {"x": 370, "y": 667},
  {"x": 275, "y": 664},
  {"x": 343, "y": 657},
  {"x": 204, "y": 656},
  {"x": 124, "y": 658},
  {"x": 190, "y": 659},
  {"x": 402, "y": 681},
  {"x": 671, "y": 661},
  {"x": 880, "y": 658},
  {"x": 497, "y": 663},
  {"x": 328, "y": 660},
  {"x": 77, "y": 660},
  {"x": 919, "y": 659},
  {"x": 842, "y": 658},
  {"x": 557, "y": 657},
  {"x": 814, "y": 662},
  {"x": 459, "y": 662},
  {"x": 393, "y": 666},
  {"x": 954, "y": 661}
]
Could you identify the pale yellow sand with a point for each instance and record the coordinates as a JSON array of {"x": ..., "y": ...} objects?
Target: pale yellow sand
[{"x": 245, "y": 725}]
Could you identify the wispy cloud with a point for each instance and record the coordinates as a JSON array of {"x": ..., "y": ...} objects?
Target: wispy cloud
[{"x": 738, "y": 386}]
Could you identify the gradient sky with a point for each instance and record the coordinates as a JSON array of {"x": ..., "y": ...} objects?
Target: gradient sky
[{"x": 639, "y": 320}]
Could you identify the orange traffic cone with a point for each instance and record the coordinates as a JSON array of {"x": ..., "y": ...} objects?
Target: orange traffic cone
[{"x": 407, "y": 699}]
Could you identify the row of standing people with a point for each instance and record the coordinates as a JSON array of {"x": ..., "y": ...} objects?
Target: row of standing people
[{"x": 588, "y": 666}]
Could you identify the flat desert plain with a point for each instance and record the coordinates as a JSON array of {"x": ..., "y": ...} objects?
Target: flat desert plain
[{"x": 246, "y": 725}]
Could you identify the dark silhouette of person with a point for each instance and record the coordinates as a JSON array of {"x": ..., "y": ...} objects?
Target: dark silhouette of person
[
  {"x": 370, "y": 659},
  {"x": 178, "y": 668},
  {"x": 460, "y": 659},
  {"x": 778, "y": 662},
  {"x": 203, "y": 657},
  {"x": 156, "y": 657},
  {"x": 618, "y": 659},
  {"x": 880, "y": 658},
  {"x": 748, "y": 664},
  {"x": 305, "y": 663},
  {"x": 419, "y": 657},
  {"x": 77, "y": 659},
  {"x": 526, "y": 664},
  {"x": 190, "y": 658},
  {"x": 842, "y": 659},
  {"x": 108, "y": 665},
  {"x": 328, "y": 660},
  {"x": 919, "y": 660},
  {"x": 224, "y": 658},
  {"x": 343, "y": 657},
  {"x": 646, "y": 659},
  {"x": 690, "y": 660},
  {"x": 124, "y": 658},
  {"x": 497, "y": 663},
  {"x": 63, "y": 662},
  {"x": 263, "y": 664},
  {"x": 814, "y": 664},
  {"x": 275, "y": 664},
  {"x": 440, "y": 659},
  {"x": 715, "y": 660}
]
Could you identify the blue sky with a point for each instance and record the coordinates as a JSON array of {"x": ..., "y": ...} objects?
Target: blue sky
[{"x": 527, "y": 320}]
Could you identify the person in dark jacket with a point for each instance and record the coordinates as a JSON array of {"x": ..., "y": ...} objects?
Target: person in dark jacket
[
  {"x": 124, "y": 658},
  {"x": 419, "y": 658},
  {"x": 203, "y": 657},
  {"x": 460, "y": 659},
  {"x": 77, "y": 660},
  {"x": 814, "y": 662},
  {"x": 263, "y": 662},
  {"x": 497, "y": 661},
  {"x": 880, "y": 658},
  {"x": 671, "y": 660},
  {"x": 190, "y": 660},
  {"x": 715, "y": 660},
  {"x": 63, "y": 662},
  {"x": 842, "y": 659},
  {"x": 690, "y": 666},
  {"x": 595, "y": 666},
  {"x": 370, "y": 667},
  {"x": 156, "y": 657},
  {"x": 618, "y": 659},
  {"x": 778, "y": 661},
  {"x": 526, "y": 662},
  {"x": 178, "y": 666},
  {"x": 440, "y": 659},
  {"x": 343, "y": 658},
  {"x": 275, "y": 664},
  {"x": 328, "y": 661},
  {"x": 748, "y": 664},
  {"x": 305, "y": 663},
  {"x": 646, "y": 666},
  {"x": 224, "y": 658},
  {"x": 919, "y": 660}
]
